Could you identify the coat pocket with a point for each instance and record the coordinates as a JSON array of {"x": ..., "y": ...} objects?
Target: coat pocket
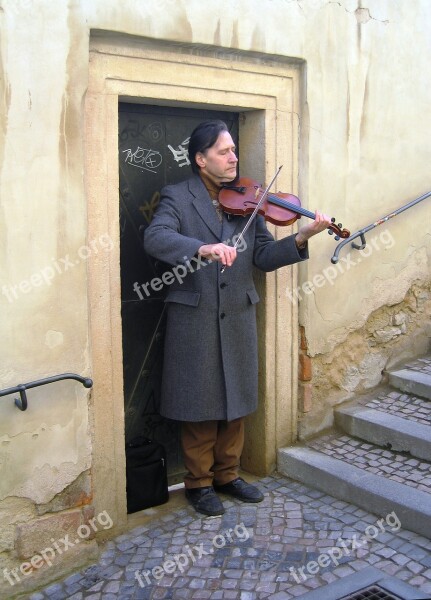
[
  {"x": 253, "y": 296},
  {"x": 186, "y": 297}
]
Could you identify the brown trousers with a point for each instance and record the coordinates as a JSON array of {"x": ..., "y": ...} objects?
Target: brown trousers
[{"x": 212, "y": 451}]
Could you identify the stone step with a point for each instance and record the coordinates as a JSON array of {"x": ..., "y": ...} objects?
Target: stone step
[
  {"x": 390, "y": 464},
  {"x": 353, "y": 478},
  {"x": 412, "y": 382},
  {"x": 391, "y": 431},
  {"x": 399, "y": 404}
]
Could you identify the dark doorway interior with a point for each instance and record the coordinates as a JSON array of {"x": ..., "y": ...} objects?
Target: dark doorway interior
[{"x": 153, "y": 144}]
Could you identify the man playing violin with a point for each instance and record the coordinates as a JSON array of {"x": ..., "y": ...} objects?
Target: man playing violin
[{"x": 210, "y": 362}]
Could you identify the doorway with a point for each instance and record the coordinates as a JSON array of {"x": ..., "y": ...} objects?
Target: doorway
[
  {"x": 152, "y": 153},
  {"x": 156, "y": 74}
]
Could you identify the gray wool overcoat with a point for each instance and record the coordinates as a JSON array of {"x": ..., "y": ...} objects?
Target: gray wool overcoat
[{"x": 210, "y": 363}]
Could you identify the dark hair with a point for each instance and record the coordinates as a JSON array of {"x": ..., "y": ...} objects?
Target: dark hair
[{"x": 203, "y": 137}]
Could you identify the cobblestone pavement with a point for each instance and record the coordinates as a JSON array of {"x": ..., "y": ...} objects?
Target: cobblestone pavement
[
  {"x": 401, "y": 405},
  {"x": 399, "y": 466},
  {"x": 296, "y": 540},
  {"x": 420, "y": 364}
]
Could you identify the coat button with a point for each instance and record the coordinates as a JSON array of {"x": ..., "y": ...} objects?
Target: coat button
[
  {"x": 223, "y": 285},
  {"x": 222, "y": 315}
]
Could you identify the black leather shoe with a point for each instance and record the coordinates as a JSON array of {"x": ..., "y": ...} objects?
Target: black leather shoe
[
  {"x": 238, "y": 488},
  {"x": 204, "y": 500}
]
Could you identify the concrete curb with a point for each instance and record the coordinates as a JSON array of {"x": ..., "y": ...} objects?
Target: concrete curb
[
  {"x": 374, "y": 493},
  {"x": 412, "y": 382},
  {"x": 384, "y": 429}
]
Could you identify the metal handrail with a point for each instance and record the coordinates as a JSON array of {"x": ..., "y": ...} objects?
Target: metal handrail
[
  {"x": 22, "y": 401},
  {"x": 361, "y": 232}
]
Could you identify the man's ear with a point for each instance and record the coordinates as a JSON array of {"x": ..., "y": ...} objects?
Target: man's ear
[{"x": 200, "y": 159}]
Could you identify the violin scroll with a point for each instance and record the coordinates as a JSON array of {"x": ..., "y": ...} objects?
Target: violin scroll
[{"x": 338, "y": 230}]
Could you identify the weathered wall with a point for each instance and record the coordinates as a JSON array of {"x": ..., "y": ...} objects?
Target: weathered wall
[
  {"x": 390, "y": 335},
  {"x": 364, "y": 151},
  {"x": 45, "y": 451}
]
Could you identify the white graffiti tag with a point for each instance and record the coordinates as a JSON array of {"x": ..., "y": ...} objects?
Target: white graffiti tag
[
  {"x": 147, "y": 160},
  {"x": 181, "y": 156}
]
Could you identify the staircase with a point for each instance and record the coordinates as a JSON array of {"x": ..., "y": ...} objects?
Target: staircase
[{"x": 379, "y": 454}]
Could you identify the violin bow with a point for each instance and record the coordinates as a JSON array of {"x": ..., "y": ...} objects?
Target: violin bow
[{"x": 254, "y": 213}]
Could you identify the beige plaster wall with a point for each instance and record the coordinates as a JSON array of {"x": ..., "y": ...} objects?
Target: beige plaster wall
[
  {"x": 364, "y": 150},
  {"x": 44, "y": 321}
]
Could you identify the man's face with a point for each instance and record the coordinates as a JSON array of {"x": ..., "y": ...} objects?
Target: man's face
[{"x": 219, "y": 162}]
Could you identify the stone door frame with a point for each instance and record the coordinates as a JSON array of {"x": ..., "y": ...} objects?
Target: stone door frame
[{"x": 265, "y": 91}]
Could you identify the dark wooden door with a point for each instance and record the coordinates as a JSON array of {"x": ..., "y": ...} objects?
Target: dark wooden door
[{"x": 152, "y": 153}]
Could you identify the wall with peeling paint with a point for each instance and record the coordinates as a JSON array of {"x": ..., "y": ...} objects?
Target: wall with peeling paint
[{"x": 364, "y": 151}]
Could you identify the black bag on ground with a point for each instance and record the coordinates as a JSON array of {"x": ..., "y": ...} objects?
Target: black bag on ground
[{"x": 146, "y": 474}]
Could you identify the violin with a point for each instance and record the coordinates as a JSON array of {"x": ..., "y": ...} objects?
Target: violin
[{"x": 241, "y": 197}]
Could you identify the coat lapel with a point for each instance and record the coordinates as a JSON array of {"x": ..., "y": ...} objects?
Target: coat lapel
[{"x": 203, "y": 204}]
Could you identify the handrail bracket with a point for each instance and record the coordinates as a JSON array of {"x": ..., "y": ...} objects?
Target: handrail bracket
[{"x": 360, "y": 246}]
